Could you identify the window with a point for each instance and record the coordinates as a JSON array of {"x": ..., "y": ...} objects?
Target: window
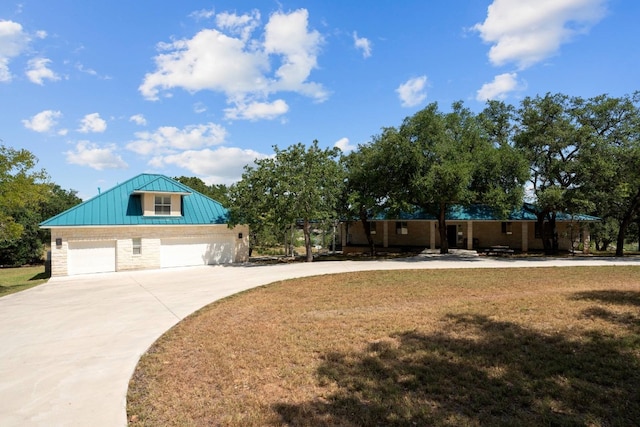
[
  {"x": 373, "y": 227},
  {"x": 401, "y": 227},
  {"x": 163, "y": 205},
  {"x": 137, "y": 245},
  {"x": 507, "y": 228}
]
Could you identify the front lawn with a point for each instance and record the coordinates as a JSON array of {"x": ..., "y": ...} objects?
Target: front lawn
[
  {"x": 511, "y": 347},
  {"x": 21, "y": 278}
]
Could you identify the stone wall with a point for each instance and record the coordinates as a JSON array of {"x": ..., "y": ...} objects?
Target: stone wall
[{"x": 150, "y": 236}]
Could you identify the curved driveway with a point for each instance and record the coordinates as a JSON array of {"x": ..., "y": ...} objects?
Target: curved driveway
[{"x": 69, "y": 347}]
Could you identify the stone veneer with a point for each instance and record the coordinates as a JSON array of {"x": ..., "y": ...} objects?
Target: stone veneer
[{"x": 150, "y": 235}]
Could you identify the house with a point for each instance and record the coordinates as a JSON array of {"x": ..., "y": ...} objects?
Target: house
[
  {"x": 147, "y": 222},
  {"x": 468, "y": 227}
]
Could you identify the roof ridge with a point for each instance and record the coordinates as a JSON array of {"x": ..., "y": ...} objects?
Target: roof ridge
[{"x": 117, "y": 200}]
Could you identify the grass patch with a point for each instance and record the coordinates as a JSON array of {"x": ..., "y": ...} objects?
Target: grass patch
[
  {"x": 21, "y": 278},
  {"x": 511, "y": 347}
]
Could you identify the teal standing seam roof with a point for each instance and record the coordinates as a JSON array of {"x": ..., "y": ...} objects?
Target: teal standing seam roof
[
  {"x": 122, "y": 205},
  {"x": 479, "y": 212}
]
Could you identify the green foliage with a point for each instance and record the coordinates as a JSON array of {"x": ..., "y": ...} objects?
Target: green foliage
[
  {"x": 299, "y": 185},
  {"x": 217, "y": 192},
  {"x": 434, "y": 160},
  {"x": 19, "y": 189},
  {"x": 364, "y": 196},
  {"x": 610, "y": 159},
  {"x": 26, "y": 199}
]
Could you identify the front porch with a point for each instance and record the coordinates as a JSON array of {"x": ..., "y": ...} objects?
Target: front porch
[{"x": 471, "y": 235}]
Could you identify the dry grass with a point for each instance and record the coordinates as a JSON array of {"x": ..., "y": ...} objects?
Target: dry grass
[{"x": 513, "y": 347}]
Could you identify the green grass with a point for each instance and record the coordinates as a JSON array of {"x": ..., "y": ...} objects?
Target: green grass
[{"x": 18, "y": 279}]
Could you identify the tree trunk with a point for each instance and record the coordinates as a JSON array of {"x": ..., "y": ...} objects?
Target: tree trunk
[
  {"x": 306, "y": 230},
  {"x": 442, "y": 227},
  {"x": 546, "y": 244},
  {"x": 553, "y": 228},
  {"x": 367, "y": 231},
  {"x": 624, "y": 224},
  {"x": 548, "y": 232}
]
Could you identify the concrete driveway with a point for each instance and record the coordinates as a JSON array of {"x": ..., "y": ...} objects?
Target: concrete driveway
[{"x": 69, "y": 347}]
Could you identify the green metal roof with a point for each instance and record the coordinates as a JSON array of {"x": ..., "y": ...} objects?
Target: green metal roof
[
  {"x": 122, "y": 205},
  {"x": 479, "y": 212}
]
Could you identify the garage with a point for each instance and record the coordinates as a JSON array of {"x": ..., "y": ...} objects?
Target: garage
[
  {"x": 91, "y": 257},
  {"x": 183, "y": 252}
]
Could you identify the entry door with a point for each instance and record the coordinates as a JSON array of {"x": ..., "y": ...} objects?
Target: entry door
[{"x": 452, "y": 236}]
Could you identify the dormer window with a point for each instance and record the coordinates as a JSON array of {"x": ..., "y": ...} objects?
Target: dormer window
[{"x": 163, "y": 205}]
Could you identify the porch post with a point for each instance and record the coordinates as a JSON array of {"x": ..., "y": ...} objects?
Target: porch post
[
  {"x": 432, "y": 234},
  {"x": 469, "y": 235},
  {"x": 586, "y": 239},
  {"x": 525, "y": 236},
  {"x": 385, "y": 234}
]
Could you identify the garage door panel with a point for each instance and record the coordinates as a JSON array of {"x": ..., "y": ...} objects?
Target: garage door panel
[
  {"x": 91, "y": 257},
  {"x": 183, "y": 252}
]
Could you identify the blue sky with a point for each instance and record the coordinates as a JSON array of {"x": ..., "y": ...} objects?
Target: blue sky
[{"x": 103, "y": 91}]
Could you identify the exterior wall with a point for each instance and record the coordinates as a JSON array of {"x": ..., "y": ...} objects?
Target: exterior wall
[
  {"x": 417, "y": 234},
  {"x": 149, "y": 204},
  {"x": 484, "y": 233},
  {"x": 150, "y": 237}
]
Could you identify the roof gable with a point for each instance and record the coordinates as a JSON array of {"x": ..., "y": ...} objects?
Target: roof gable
[
  {"x": 121, "y": 205},
  {"x": 162, "y": 184}
]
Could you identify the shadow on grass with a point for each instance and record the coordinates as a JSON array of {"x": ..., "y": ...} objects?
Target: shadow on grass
[
  {"x": 620, "y": 298},
  {"x": 478, "y": 371}
]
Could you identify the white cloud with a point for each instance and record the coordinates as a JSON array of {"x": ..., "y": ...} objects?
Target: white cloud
[
  {"x": 92, "y": 123},
  {"x": 229, "y": 60},
  {"x": 499, "y": 88},
  {"x": 240, "y": 25},
  {"x": 89, "y": 154},
  {"x": 199, "y": 108},
  {"x": 38, "y": 71},
  {"x": 362, "y": 43},
  {"x": 224, "y": 165},
  {"x": 138, "y": 119},
  {"x": 287, "y": 35},
  {"x": 413, "y": 91},
  {"x": 13, "y": 41},
  {"x": 210, "y": 60},
  {"x": 202, "y": 14},
  {"x": 44, "y": 121},
  {"x": 257, "y": 110},
  {"x": 169, "y": 139},
  {"x": 344, "y": 145},
  {"x": 526, "y": 32}
]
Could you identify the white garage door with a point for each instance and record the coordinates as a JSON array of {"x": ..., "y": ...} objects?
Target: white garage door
[
  {"x": 183, "y": 252},
  {"x": 91, "y": 257}
]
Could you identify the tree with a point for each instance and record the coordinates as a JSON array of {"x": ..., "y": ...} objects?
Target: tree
[
  {"x": 551, "y": 139},
  {"x": 218, "y": 192},
  {"x": 437, "y": 160},
  {"x": 364, "y": 194},
  {"x": 298, "y": 185},
  {"x": 610, "y": 159},
  {"x": 28, "y": 247},
  {"x": 19, "y": 189},
  {"x": 56, "y": 200}
]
